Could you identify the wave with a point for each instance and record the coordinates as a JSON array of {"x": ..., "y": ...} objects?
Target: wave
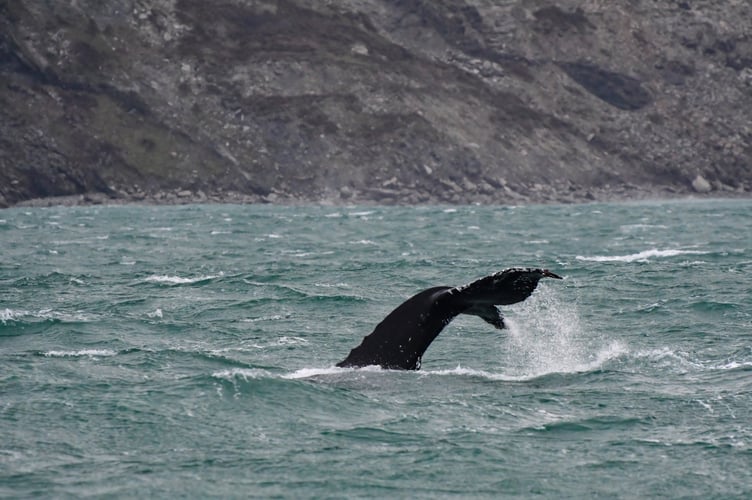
[
  {"x": 685, "y": 362},
  {"x": 232, "y": 374},
  {"x": 643, "y": 256},
  {"x": 21, "y": 315},
  {"x": 178, "y": 280},
  {"x": 567, "y": 426},
  {"x": 272, "y": 317},
  {"x": 91, "y": 353}
]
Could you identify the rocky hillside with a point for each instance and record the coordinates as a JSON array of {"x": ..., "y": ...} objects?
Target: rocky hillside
[{"x": 394, "y": 101}]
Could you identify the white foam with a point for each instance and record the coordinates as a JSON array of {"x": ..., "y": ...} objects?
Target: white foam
[
  {"x": 732, "y": 365},
  {"x": 683, "y": 361},
  {"x": 43, "y": 314},
  {"x": 468, "y": 372},
  {"x": 291, "y": 340},
  {"x": 274, "y": 317},
  {"x": 91, "y": 353},
  {"x": 332, "y": 285},
  {"x": 12, "y": 314},
  {"x": 313, "y": 372},
  {"x": 155, "y": 314},
  {"x": 178, "y": 280},
  {"x": 640, "y": 256},
  {"x": 243, "y": 373}
]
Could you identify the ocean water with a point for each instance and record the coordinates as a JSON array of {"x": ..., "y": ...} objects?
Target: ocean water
[{"x": 189, "y": 352}]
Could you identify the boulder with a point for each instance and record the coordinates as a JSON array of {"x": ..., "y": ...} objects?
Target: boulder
[{"x": 701, "y": 185}]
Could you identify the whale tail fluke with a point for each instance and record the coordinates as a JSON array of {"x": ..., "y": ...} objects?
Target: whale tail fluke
[
  {"x": 490, "y": 314},
  {"x": 400, "y": 340},
  {"x": 503, "y": 288}
]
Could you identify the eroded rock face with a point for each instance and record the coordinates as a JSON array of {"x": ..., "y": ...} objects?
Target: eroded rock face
[{"x": 396, "y": 101}]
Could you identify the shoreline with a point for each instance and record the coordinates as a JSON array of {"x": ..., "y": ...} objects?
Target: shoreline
[{"x": 533, "y": 197}]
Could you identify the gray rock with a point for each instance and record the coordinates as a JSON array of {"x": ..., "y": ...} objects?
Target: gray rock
[
  {"x": 448, "y": 103},
  {"x": 701, "y": 185}
]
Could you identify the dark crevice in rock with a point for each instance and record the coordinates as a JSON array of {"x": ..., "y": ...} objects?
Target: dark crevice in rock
[{"x": 621, "y": 91}]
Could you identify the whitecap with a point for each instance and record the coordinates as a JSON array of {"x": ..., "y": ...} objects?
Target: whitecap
[
  {"x": 332, "y": 285},
  {"x": 155, "y": 314},
  {"x": 640, "y": 256},
  {"x": 732, "y": 365},
  {"x": 243, "y": 373},
  {"x": 177, "y": 280},
  {"x": 43, "y": 314},
  {"x": 246, "y": 347},
  {"x": 291, "y": 341},
  {"x": 91, "y": 353},
  {"x": 683, "y": 361},
  {"x": 273, "y": 317},
  {"x": 12, "y": 314},
  {"x": 641, "y": 227}
]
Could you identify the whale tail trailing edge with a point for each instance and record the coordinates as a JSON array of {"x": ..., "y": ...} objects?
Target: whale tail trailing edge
[{"x": 400, "y": 339}]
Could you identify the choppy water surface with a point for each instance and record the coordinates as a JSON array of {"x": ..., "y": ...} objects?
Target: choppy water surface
[{"x": 190, "y": 351}]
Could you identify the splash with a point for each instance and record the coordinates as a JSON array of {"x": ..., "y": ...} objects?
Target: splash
[{"x": 546, "y": 336}]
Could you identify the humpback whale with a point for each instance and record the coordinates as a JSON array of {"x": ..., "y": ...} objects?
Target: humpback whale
[{"x": 400, "y": 340}]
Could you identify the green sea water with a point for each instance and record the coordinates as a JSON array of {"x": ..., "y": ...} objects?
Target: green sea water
[{"x": 189, "y": 352}]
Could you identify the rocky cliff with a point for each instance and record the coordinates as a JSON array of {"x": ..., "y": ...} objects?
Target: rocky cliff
[{"x": 402, "y": 101}]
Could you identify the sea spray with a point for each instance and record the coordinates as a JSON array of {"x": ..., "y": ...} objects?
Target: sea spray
[{"x": 546, "y": 336}]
